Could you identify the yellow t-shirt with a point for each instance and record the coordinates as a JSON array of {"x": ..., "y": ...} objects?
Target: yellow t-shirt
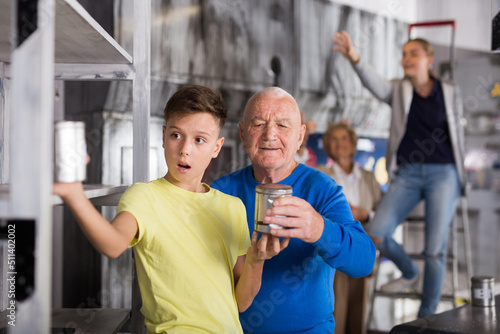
[{"x": 185, "y": 252}]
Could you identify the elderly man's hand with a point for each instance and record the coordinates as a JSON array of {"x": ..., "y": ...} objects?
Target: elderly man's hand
[{"x": 302, "y": 221}]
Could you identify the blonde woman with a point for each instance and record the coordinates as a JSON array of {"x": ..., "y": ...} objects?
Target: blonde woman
[{"x": 424, "y": 159}]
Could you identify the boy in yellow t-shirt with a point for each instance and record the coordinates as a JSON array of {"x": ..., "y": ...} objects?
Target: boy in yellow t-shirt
[{"x": 195, "y": 263}]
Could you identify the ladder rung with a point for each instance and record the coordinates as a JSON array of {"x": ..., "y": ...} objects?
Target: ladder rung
[
  {"x": 449, "y": 257},
  {"x": 415, "y": 219},
  {"x": 421, "y": 220}
]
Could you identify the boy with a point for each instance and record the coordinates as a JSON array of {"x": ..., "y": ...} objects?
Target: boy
[{"x": 189, "y": 240}]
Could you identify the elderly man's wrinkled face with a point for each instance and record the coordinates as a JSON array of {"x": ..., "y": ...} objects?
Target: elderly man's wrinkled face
[{"x": 271, "y": 132}]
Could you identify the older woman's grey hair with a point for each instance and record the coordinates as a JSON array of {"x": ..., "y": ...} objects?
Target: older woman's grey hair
[{"x": 335, "y": 126}]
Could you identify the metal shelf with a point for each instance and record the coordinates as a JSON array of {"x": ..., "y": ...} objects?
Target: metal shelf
[
  {"x": 78, "y": 37},
  {"x": 85, "y": 320},
  {"x": 99, "y": 194},
  {"x": 105, "y": 195}
]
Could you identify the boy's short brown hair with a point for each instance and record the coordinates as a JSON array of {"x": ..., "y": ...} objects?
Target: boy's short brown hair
[{"x": 193, "y": 99}]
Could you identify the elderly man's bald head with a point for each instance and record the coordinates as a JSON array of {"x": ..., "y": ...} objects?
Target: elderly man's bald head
[{"x": 271, "y": 93}]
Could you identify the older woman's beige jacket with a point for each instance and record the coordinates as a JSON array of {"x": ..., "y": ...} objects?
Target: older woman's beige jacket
[{"x": 370, "y": 192}]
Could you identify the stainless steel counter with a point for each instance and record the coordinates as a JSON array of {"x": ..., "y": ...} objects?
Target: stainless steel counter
[{"x": 465, "y": 319}]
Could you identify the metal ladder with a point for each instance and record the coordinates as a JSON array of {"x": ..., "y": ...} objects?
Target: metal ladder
[{"x": 451, "y": 257}]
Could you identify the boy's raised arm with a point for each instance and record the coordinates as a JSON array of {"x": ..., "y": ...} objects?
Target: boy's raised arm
[
  {"x": 108, "y": 239},
  {"x": 248, "y": 269}
]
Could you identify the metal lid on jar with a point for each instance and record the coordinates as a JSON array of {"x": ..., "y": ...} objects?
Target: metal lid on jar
[
  {"x": 273, "y": 188},
  {"x": 483, "y": 279}
]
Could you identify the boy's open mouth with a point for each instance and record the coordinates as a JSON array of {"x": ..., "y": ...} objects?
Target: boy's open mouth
[{"x": 184, "y": 166}]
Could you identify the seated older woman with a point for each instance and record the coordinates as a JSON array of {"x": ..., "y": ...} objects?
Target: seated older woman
[{"x": 363, "y": 194}]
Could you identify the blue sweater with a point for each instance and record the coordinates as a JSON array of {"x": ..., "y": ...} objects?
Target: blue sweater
[{"x": 297, "y": 285}]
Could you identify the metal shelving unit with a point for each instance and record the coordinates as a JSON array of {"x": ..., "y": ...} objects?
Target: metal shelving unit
[{"x": 65, "y": 43}]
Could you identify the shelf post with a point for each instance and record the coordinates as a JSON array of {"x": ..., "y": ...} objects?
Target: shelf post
[
  {"x": 31, "y": 153},
  {"x": 4, "y": 126},
  {"x": 141, "y": 89},
  {"x": 141, "y": 113}
]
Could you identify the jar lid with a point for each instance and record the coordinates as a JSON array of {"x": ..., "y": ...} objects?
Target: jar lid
[
  {"x": 273, "y": 188},
  {"x": 483, "y": 279}
]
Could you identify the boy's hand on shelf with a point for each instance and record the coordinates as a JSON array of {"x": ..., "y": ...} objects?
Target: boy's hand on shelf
[{"x": 67, "y": 191}]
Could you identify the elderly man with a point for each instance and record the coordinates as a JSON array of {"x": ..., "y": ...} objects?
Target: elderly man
[{"x": 296, "y": 295}]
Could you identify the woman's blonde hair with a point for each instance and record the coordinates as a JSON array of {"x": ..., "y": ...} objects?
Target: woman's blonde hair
[
  {"x": 429, "y": 51},
  {"x": 335, "y": 126},
  {"x": 426, "y": 45}
]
